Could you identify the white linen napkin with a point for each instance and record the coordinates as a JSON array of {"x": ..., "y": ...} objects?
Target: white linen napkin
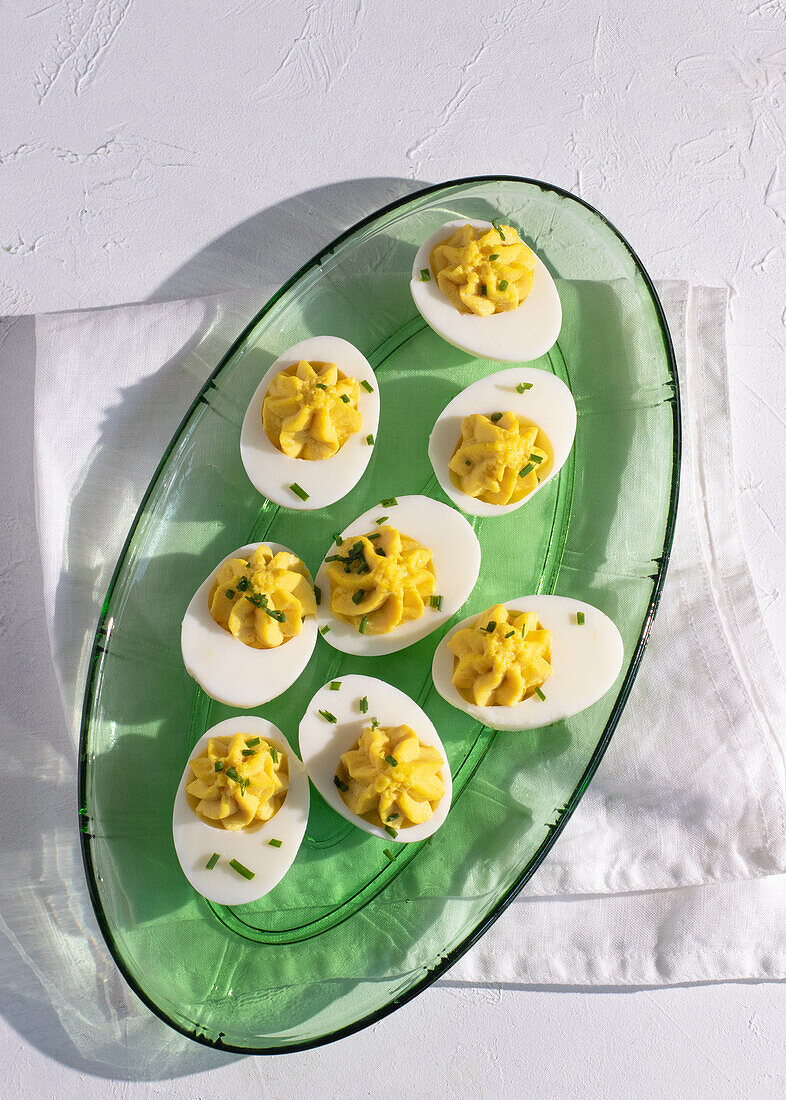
[{"x": 660, "y": 875}]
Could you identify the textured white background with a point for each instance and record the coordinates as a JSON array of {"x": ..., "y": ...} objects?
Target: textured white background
[{"x": 151, "y": 149}]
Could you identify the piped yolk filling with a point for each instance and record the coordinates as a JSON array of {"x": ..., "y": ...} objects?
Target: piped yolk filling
[
  {"x": 262, "y": 601},
  {"x": 501, "y": 658},
  {"x": 238, "y": 781},
  {"x": 392, "y": 779},
  {"x": 484, "y": 271},
  {"x": 500, "y": 458},
  {"x": 310, "y": 410},
  {"x": 380, "y": 580}
]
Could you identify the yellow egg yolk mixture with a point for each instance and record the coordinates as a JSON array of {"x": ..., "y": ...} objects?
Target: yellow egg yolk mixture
[
  {"x": 264, "y": 600},
  {"x": 501, "y": 658},
  {"x": 310, "y": 410},
  {"x": 483, "y": 271},
  {"x": 238, "y": 781},
  {"x": 500, "y": 458},
  {"x": 380, "y": 580},
  {"x": 390, "y": 778}
]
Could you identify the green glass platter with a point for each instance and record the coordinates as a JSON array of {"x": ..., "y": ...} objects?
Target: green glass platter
[{"x": 349, "y": 935}]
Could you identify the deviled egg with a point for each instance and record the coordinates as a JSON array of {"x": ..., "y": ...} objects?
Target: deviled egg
[
  {"x": 310, "y": 428},
  {"x": 241, "y": 810},
  {"x": 400, "y": 571},
  {"x": 503, "y": 438},
  {"x": 375, "y": 757},
  {"x": 528, "y": 662},
  {"x": 250, "y": 629},
  {"x": 481, "y": 288}
]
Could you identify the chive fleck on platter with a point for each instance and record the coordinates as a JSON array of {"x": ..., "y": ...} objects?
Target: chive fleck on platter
[{"x": 350, "y": 934}]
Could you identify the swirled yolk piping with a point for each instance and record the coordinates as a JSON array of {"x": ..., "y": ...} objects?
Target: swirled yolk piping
[
  {"x": 392, "y": 779},
  {"x": 500, "y": 458},
  {"x": 384, "y": 578},
  {"x": 264, "y": 600},
  {"x": 501, "y": 658},
  {"x": 483, "y": 271},
  {"x": 238, "y": 781},
  {"x": 310, "y": 410}
]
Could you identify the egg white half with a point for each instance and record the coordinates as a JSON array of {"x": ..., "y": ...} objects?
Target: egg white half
[
  {"x": 516, "y": 336},
  {"x": 586, "y": 661},
  {"x": 326, "y": 481},
  {"x": 456, "y": 558},
  {"x": 195, "y": 840},
  {"x": 322, "y": 743},
  {"x": 549, "y": 404},
  {"x": 227, "y": 669}
]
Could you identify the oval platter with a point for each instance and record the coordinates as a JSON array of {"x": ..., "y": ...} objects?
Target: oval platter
[{"x": 350, "y": 933}]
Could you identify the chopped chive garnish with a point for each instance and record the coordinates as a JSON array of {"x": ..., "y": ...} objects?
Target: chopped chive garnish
[
  {"x": 231, "y": 773},
  {"x": 494, "y": 256},
  {"x": 317, "y": 595},
  {"x": 381, "y": 520},
  {"x": 391, "y": 832},
  {"x": 299, "y": 491},
  {"x": 274, "y": 843},
  {"x": 249, "y": 752},
  {"x": 523, "y": 386},
  {"x": 366, "y": 386},
  {"x": 337, "y": 538},
  {"x": 254, "y": 741},
  {"x": 435, "y": 602},
  {"x": 370, "y": 440},
  {"x": 537, "y": 459},
  {"x": 483, "y": 290},
  {"x": 425, "y": 275},
  {"x": 388, "y": 502},
  {"x": 392, "y": 817},
  {"x": 333, "y": 557},
  {"x": 467, "y": 462},
  {"x": 580, "y": 618},
  {"x": 328, "y": 716},
  {"x": 340, "y": 784},
  {"x": 509, "y": 634},
  {"x": 503, "y": 286},
  {"x": 212, "y": 862},
  {"x": 389, "y": 854},
  {"x": 539, "y": 693},
  {"x": 490, "y": 627},
  {"x": 241, "y": 870},
  {"x": 363, "y": 704},
  {"x": 392, "y": 761},
  {"x": 359, "y": 596},
  {"x": 357, "y": 547},
  {"x": 495, "y": 417},
  {"x": 498, "y": 228},
  {"x": 345, "y": 398},
  {"x": 363, "y": 622},
  {"x": 374, "y": 723},
  {"x": 526, "y": 470},
  {"x": 375, "y": 535},
  {"x": 230, "y": 593},
  {"x": 335, "y": 685},
  {"x": 274, "y": 753},
  {"x": 241, "y": 584},
  {"x": 323, "y": 630},
  {"x": 321, "y": 386},
  {"x": 219, "y": 765}
]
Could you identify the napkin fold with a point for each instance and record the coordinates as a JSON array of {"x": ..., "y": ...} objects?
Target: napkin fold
[{"x": 668, "y": 870}]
